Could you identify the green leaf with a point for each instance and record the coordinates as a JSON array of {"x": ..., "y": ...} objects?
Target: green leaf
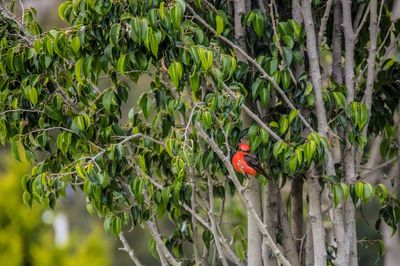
[
  {"x": 293, "y": 115},
  {"x": 288, "y": 55},
  {"x": 293, "y": 163},
  {"x": 175, "y": 72},
  {"x": 78, "y": 70},
  {"x": 108, "y": 100},
  {"x": 76, "y": 44},
  {"x": 309, "y": 150},
  {"x": 15, "y": 145},
  {"x": 258, "y": 24},
  {"x": 283, "y": 124},
  {"x": 121, "y": 64},
  {"x": 64, "y": 9},
  {"x": 176, "y": 16},
  {"x": 297, "y": 29},
  {"x": 206, "y": 58},
  {"x": 146, "y": 104},
  {"x": 220, "y": 24},
  {"x": 264, "y": 136},
  {"x": 32, "y": 95},
  {"x": 359, "y": 187},
  {"x": 381, "y": 189},
  {"x": 337, "y": 194},
  {"x": 79, "y": 123},
  {"x": 194, "y": 81},
  {"x": 64, "y": 141},
  {"x": 206, "y": 118},
  {"x": 135, "y": 30},
  {"x": 309, "y": 89},
  {"x": 299, "y": 155},
  {"x": 114, "y": 34},
  {"x": 278, "y": 148},
  {"x": 288, "y": 41},
  {"x": 346, "y": 190},
  {"x": 368, "y": 191},
  {"x": 154, "y": 43},
  {"x": 116, "y": 226}
]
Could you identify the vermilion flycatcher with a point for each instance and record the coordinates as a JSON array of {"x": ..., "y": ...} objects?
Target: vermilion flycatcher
[{"x": 246, "y": 163}]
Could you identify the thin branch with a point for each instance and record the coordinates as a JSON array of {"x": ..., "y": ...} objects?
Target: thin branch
[
  {"x": 373, "y": 29},
  {"x": 127, "y": 248},
  {"x": 151, "y": 226},
  {"x": 278, "y": 42},
  {"x": 359, "y": 28},
  {"x": 324, "y": 21},
  {"x": 21, "y": 110},
  {"x": 264, "y": 74},
  {"x": 379, "y": 167}
]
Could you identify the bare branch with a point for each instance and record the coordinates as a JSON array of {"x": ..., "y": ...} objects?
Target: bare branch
[
  {"x": 127, "y": 248},
  {"x": 324, "y": 21},
  {"x": 151, "y": 226},
  {"x": 21, "y": 110},
  {"x": 379, "y": 167},
  {"x": 360, "y": 26},
  {"x": 278, "y": 43}
]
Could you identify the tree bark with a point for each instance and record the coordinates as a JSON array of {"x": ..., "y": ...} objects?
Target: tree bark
[
  {"x": 315, "y": 216},
  {"x": 239, "y": 7},
  {"x": 297, "y": 211},
  {"x": 254, "y": 237},
  {"x": 288, "y": 242},
  {"x": 337, "y": 72},
  {"x": 270, "y": 217}
]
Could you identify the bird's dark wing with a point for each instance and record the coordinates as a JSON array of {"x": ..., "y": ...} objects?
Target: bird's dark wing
[{"x": 253, "y": 161}]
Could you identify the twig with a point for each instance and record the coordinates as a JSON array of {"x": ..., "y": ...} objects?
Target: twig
[
  {"x": 21, "y": 110},
  {"x": 360, "y": 26},
  {"x": 127, "y": 248},
  {"x": 379, "y": 167},
  {"x": 151, "y": 226},
  {"x": 324, "y": 21},
  {"x": 278, "y": 43}
]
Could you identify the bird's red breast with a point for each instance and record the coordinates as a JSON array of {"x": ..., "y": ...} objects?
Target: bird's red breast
[{"x": 240, "y": 164}]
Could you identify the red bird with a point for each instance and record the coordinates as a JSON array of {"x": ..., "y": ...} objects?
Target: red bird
[{"x": 246, "y": 163}]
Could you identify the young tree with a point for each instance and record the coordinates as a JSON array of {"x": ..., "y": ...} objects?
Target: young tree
[{"x": 308, "y": 83}]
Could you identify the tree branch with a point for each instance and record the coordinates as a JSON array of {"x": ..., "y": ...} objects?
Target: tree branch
[
  {"x": 160, "y": 244},
  {"x": 324, "y": 21},
  {"x": 315, "y": 72},
  {"x": 127, "y": 248}
]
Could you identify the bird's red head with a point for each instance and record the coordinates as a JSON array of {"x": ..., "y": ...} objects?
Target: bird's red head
[{"x": 244, "y": 147}]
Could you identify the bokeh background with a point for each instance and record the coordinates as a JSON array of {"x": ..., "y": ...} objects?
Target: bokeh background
[{"x": 70, "y": 236}]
